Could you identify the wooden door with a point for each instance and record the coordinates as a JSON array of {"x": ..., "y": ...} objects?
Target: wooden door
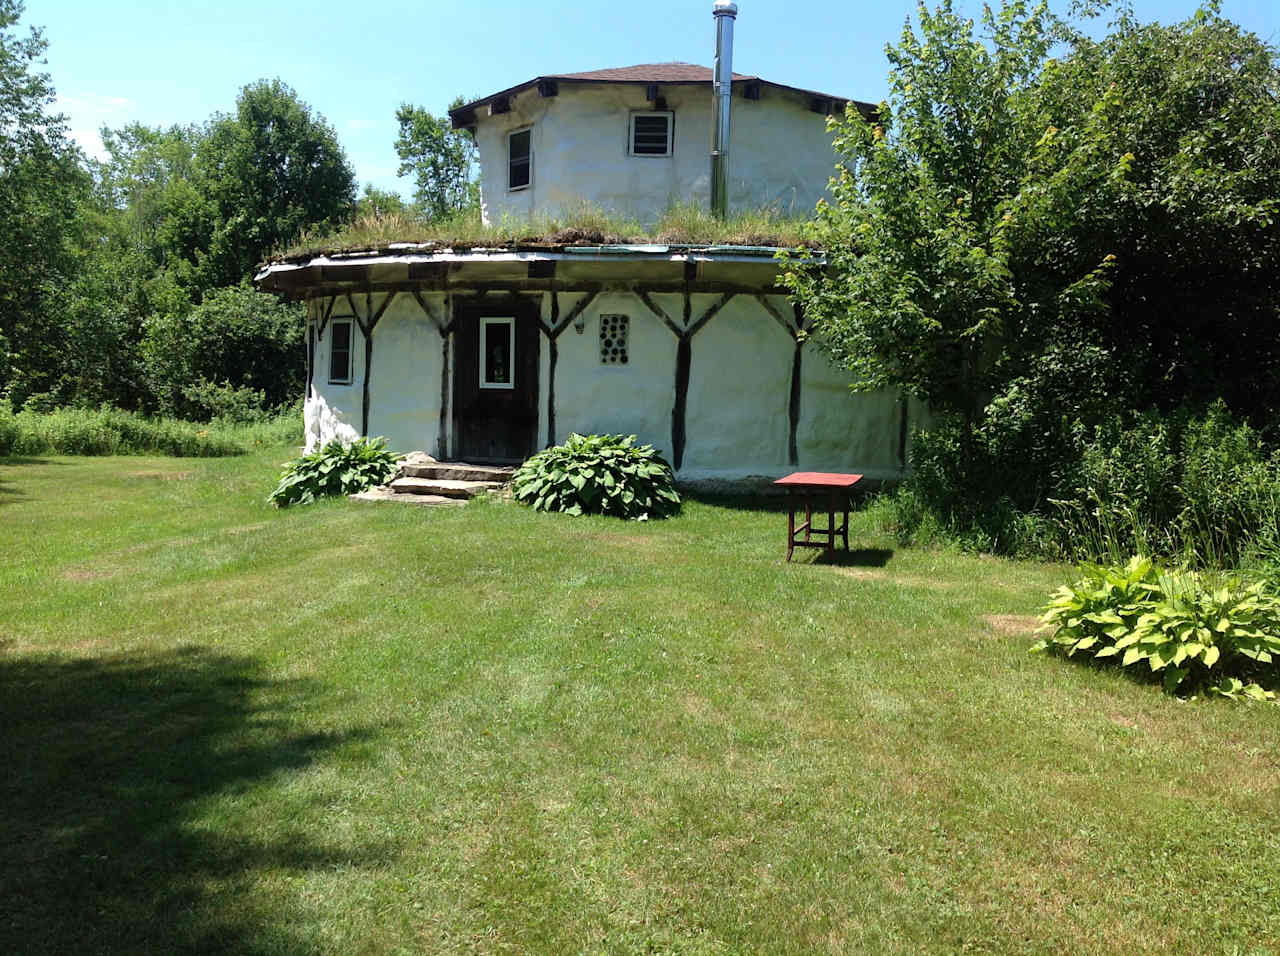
[{"x": 495, "y": 390}]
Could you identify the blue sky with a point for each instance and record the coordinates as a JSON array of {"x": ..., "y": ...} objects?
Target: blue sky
[{"x": 354, "y": 63}]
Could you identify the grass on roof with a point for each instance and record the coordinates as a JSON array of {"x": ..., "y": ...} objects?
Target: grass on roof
[{"x": 685, "y": 223}]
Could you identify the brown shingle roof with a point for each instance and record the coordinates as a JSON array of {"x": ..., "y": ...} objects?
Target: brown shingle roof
[
  {"x": 648, "y": 73},
  {"x": 670, "y": 74}
]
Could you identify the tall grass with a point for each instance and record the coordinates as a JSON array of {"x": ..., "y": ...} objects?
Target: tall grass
[
  {"x": 111, "y": 431},
  {"x": 682, "y": 223}
]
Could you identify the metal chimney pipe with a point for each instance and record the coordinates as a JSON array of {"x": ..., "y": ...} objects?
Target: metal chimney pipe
[{"x": 725, "y": 13}]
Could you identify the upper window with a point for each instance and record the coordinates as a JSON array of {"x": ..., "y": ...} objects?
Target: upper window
[
  {"x": 519, "y": 159},
  {"x": 340, "y": 352},
  {"x": 497, "y": 351},
  {"x": 651, "y": 133}
]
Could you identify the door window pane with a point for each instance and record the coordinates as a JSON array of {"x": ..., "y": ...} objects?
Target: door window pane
[
  {"x": 497, "y": 348},
  {"x": 520, "y": 159}
]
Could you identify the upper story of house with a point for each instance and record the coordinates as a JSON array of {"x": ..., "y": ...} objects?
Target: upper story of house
[{"x": 637, "y": 140}]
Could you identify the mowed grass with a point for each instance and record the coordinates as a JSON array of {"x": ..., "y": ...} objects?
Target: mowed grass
[{"x": 359, "y": 728}]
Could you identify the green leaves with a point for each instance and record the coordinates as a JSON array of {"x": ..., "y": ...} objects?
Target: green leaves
[
  {"x": 335, "y": 469},
  {"x": 1182, "y": 624},
  {"x": 598, "y": 474}
]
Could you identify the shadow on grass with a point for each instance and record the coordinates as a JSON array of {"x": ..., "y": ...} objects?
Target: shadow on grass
[
  {"x": 855, "y": 558},
  {"x": 770, "y": 502},
  {"x": 107, "y": 762}
]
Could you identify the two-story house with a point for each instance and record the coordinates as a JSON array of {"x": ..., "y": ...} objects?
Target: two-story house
[{"x": 490, "y": 354}]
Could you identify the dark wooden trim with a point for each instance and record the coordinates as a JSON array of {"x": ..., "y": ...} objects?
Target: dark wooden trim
[
  {"x": 658, "y": 311},
  {"x": 367, "y": 326},
  {"x": 789, "y": 327},
  {"x": 553, "y": 354},
  {"x": 422, "y": 304},
  {"x": 684, "y": 359},
  {"x": 707, "y": 316},
  {"x": 324, "y": 322},
  {"x": 442, "y": 441},
  {"x": 311, "y": 357},
  {"x": 581, "y": 306},
  {"x": 793, "y": 406}
]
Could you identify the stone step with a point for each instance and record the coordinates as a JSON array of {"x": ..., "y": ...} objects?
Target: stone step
[
  {"x": 456, "y": 471},
  {"x": 386, "y": 494},
  {"x": 444, "y": 487}
]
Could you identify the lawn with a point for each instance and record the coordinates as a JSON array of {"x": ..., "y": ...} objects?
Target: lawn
[{"x": 357, "y": 728}]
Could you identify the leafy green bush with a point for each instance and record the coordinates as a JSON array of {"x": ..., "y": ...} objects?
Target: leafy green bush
[
  {"x": 335, "y": 469},
  {"x": 598, "y": 474},
  {"x": 1220, "y": 636}
]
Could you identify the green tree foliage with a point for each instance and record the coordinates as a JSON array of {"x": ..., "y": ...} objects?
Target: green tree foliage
[
  {"x": 267, "y": 172},
  {"x": 378, "y": 203},
  {"x": 1035, "y": 245},
  {"x": 42, "y": 184},
  {"x": 440, "y": 159},
  {"x": 236, "y": 338}
]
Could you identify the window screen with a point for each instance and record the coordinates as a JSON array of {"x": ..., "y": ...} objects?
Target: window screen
[
  {"x": 519, "y": 159},
  {"x": 340, "y": 352},
  {"x": 651, "y": 134}
]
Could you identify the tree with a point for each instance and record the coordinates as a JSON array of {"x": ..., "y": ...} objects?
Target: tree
[
  {"x": 1033, "y": 245},
  {"x": 268, "y": 172},
  {"x": 42, "y": 184},
  {"x": 440, "y": 159},
  {"x": 378, "y": 203},
  {"x": 236, "y": 341}
]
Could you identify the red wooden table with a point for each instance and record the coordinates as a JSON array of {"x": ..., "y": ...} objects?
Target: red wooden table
[{"x": 810, "y": 487}]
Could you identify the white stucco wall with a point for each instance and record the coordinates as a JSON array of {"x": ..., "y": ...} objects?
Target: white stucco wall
[
  {"x": 737, "y": 419},
  {"x": 780, "y": 153},
  {"x": 739, "y": 392},
  {"x": 631, "y": 399},
  {"x": 404, "y": 399},
  {"x": 404, "y": 385}
]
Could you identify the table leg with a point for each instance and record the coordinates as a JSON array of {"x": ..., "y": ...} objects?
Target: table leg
[
  {"x": 831, "y": 524},
  {"x": 808, "y": 517},
  {"x": 791, "y": 523},
  {"x": 846, "y": 523}
]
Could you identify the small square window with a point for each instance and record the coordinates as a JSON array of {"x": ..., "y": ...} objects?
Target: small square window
[
  {"x": 651, "y": 133},
  {"x": 614, "y": 331},
  {"x": 519, "y": 159},
  {"x": 497, "y": 352},
  {"x": 340, "y": 352}
]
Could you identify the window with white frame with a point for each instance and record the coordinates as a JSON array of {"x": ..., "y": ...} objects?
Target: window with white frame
[
  {"x": 519, "y": 159},
  {"x": 340, "y": 338},
  {"x": 651, "y": 133},
  {"x": 497, "y": 352}
]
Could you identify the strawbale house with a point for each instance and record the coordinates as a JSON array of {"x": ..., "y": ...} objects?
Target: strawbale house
[{"x": 489, "y": 354}]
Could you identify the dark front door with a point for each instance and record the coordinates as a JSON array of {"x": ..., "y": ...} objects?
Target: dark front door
[{"x": 495, "y": 390}]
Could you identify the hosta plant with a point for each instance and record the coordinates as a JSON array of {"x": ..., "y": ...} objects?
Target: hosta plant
[
  {"x": 1216, "y": 635},
  {"x": 598, "y": 474},
  {"x": 336, "y": 469}
]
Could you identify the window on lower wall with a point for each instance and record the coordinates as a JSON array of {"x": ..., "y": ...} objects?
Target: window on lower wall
[
  {"x": 651, "y": 133},
  {"x": 497, "y": 352},
  {"x": 340, "y": 351},
  {"x": 519, "y": 159}
]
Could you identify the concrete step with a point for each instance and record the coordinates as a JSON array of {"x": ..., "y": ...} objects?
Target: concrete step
[
  {"x": 444, "y": 487},
  {"x": 456, "y": 471}
]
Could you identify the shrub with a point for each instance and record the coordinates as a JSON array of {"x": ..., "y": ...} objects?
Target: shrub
[
  {"x": 598, "y": 474},
  {"x": 1218, "y": 636},
  {"x": 335, "y": 469},
  {"x": 110, "y": 431}
]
